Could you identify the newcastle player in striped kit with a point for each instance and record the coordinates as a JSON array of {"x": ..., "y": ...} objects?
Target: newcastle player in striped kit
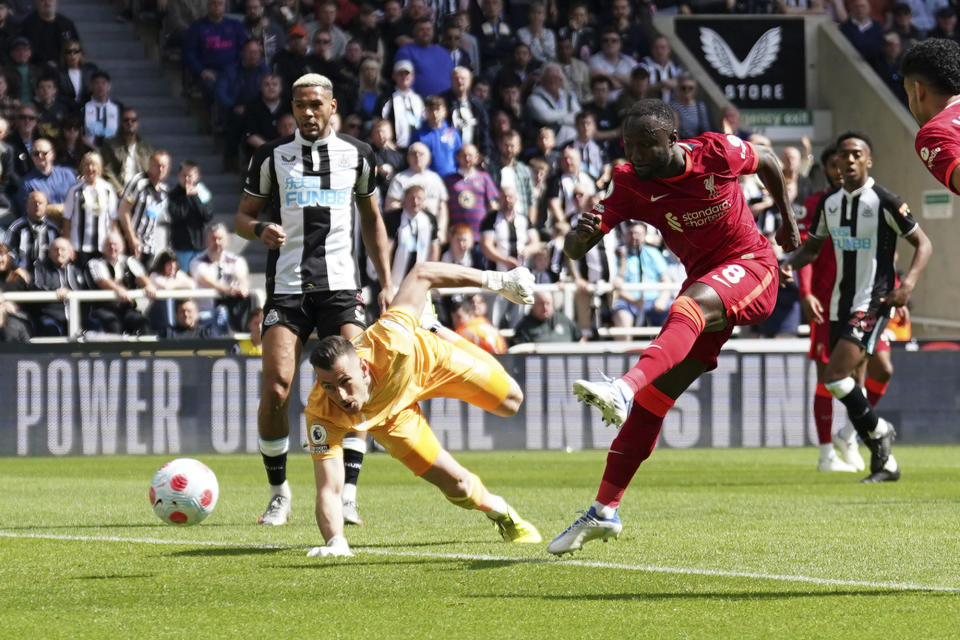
[
  {"x": 862, "y": 220},
  {"x": 299, "y": 201}
]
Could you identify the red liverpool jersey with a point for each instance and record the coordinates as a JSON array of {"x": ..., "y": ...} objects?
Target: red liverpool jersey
[
  {"x": 938, "y": 143},
  {"x": 702, "y": 214},
  {"x": 819, "y": 276}
]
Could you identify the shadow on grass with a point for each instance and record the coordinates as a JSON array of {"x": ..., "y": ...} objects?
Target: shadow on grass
[
  {"x": 115, "y": 576},
  {"x": 226, "y": 552},
  {"x": 719, "y": 595}
]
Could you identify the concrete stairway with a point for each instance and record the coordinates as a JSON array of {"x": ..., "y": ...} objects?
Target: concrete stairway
[{"x": 130, "y": 54}]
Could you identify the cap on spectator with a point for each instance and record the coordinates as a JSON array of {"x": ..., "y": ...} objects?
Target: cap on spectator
[
  {"x": 403, "y": 65},
  {"x": 298, "y": 30},
  {"x": 945, "y": 12},
  {"x": 19, "y": 41}
]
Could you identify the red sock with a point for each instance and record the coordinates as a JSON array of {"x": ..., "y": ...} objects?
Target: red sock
[
  {"x": 875, "y": 390},
  {"x": 823, "y": 414},
  {"x": 681, "y": 329},
  {"x": 633, "y": 444}
]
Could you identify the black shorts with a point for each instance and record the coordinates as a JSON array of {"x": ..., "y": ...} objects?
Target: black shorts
[
  {"x": 325, "y": 311},
  {"x": 863, "y": 328}
]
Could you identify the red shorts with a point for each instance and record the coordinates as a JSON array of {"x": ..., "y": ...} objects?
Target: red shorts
[{"x": 748, "y": 289}]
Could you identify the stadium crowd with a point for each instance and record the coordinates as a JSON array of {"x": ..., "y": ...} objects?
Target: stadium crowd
[{"x": 493, "y": 126}]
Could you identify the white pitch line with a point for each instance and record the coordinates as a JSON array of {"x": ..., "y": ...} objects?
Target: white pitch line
[{"x": 894, "y": 586}]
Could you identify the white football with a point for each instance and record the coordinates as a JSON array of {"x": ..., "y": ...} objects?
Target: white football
[{"x": 184, "y": 491}]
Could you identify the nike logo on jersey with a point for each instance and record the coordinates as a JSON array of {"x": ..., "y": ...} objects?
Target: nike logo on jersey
[{"x": 655, "y": 198}]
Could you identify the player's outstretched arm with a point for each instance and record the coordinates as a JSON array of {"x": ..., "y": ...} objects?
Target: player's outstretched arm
[
  {"x": 768, "y": 168},
  {"x": 922, "y": 249},
  {"x": 583, "y": 237},
  {"x": 515, "y": 285},
  {"x": 328, "y": 474}
]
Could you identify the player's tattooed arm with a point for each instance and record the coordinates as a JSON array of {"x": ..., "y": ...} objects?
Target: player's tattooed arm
[{"x": 583, "y": 237}]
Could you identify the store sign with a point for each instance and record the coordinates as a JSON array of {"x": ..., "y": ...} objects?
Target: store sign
[{"x": 757, "y": 63}]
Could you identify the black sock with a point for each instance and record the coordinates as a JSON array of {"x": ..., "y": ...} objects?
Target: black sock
[
  {"x": 352, "y": 461},
  {"x": 276, "y": 467},
  {"x": 861, "y": 414}
]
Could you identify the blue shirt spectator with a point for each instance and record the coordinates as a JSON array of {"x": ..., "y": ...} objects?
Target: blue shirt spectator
[
  {"x": 432, "y": 63},
  {"x": 212, "y": 44},
  {"x": 45, "y": 176}
]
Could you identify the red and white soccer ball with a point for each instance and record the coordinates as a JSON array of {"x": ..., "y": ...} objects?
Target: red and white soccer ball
[{"x": 184, "y": 491}]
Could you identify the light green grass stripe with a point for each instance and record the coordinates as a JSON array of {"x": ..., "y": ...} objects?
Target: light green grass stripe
[{"x": 894, "y": 586}]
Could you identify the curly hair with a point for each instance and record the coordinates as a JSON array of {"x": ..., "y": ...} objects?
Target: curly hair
[{"x": 937, "y": 62}]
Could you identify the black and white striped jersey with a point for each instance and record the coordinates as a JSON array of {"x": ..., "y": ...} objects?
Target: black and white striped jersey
[
  {"x": 863, "y": 226},
  {"x": 91, "y": 210},
  {"x": 148, "y": 212},
  {"x": 29, "y": 240},
  {"x": 413, "y": 237},
  {"x": 311, "y": 189},
  {"x": 509, "y": 237}
]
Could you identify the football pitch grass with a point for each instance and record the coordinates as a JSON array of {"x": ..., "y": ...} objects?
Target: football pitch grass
[{"x": 716, "y": 544}]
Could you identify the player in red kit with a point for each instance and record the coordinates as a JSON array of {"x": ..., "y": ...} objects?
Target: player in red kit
[
  {"x": 688, "y": 190},
  {"x": 931, "y": 78}
]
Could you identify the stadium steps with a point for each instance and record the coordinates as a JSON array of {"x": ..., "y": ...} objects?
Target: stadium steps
[{"x": 142, "y": 80}]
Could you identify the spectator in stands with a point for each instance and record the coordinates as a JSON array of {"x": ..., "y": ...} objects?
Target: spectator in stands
[
  {"x": 8, "y": 29},
  {"x": 388, "y": 158},
  {"x": 286, "y": 125},
  {"x": 481, "y": 90},
  {"x": 187, "y": 323},
  {"x": 180, "y": 14},
  {"x": 392, "y": 29},
  {"x": 293, "y": 61},
  {"x": 692, "y": 116},
  {"x": 210, "y": 47},
  {"x": 56, "y": 271},
  {"x": 468, "y": 42},
  {"x": 467, "y": 114},
  {"x": 51, "y": 111},
  {"x": 506, "y": 241},
  {"x": 509, "y": 105},
  {"x": 628, "y": 303},
  {"x": 494, "y": 37},
  {"x": 189, "y": 210},
  {"x": 579, "y": 31},
  {"x": 607, "y": 117},
  {"x": 663, "y": 71},
  {"x": 101, "y": 115},
  {"x": 472, "y": 193},
  {"x": 450, "y": 38},
  {"x": 366, "y": 31},
  {"x": 470, "y": 321},
  {"x": 636, "y": 44},
  {"x": 545, "y": 146},
  {"x": 326, "y": 14},
  {"x": 575, "y": 70},
  {"x": 536, "y": 35},
  {"x": 432, "y": 63},
  {"x": 127, "y": 153},
  {"x": 550, "y": 104},
  {"x": 90, "y": 210},
  {"x": 791, "y": 163},
  {"x": 286, "y": 13},
  {"x": 544, "y": 323},
  {"x": 48, "y": 31},
  {"x": 521, "y": 69},
  {"x": 593, "y": 158},
  {"x": 463, "y": 249},
  {"x": 263, "y": 29},
  {"x": 119, "y": 273},
  {"x": 227, "y": 272},
  {"x": 14, "y": 323},
  {"x": 510, "y": 171},
  {"x": 9, "y": 178},
  {"x": 946, "y": 25},
  {"x": 29, "y": 236},
  {"x": 924, "y": 11},
  {"x": 21, "y": 71},
  {"x": 731, "y": 123},
  {"x": 903, "y": 25},
  {"x": 443, "y": 140},
  {"x": 48, "y": 177},
  {"x": 166, "y": 275},
  {"x": 569, "y": 190},
  {"x": 371, "y": 92},
  {"x": 863, "y": 33},
  {"x": 8, "y": 103},
  {"x": 238, "y": 85},
  {"x": 418, "y": 172},
  {"x": 611, "y": 62},
  {"x": 637, "y": 89},
  {"x": 404, "y": 108},
  {"x": 597, "y": 267},
  {"x": 889, "y": 68},
  {"x": 76, "y": 75},
  {"x": 142, "y": 214},
  {"x": 70, "y": 145},
  {"x": 261, "y": 115},
  {"x": 540, "y": 265},
  {"x": 412, "y": 233}
]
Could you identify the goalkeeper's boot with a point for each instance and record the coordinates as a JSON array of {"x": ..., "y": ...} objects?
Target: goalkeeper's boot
[{"x": 513, "y": 528}]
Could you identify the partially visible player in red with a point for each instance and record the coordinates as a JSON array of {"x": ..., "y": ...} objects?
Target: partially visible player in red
[
  {"x": 689, "y": 191},
  {"x": 931, "y": 78},
  {"x": 815, "y": 282}
]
